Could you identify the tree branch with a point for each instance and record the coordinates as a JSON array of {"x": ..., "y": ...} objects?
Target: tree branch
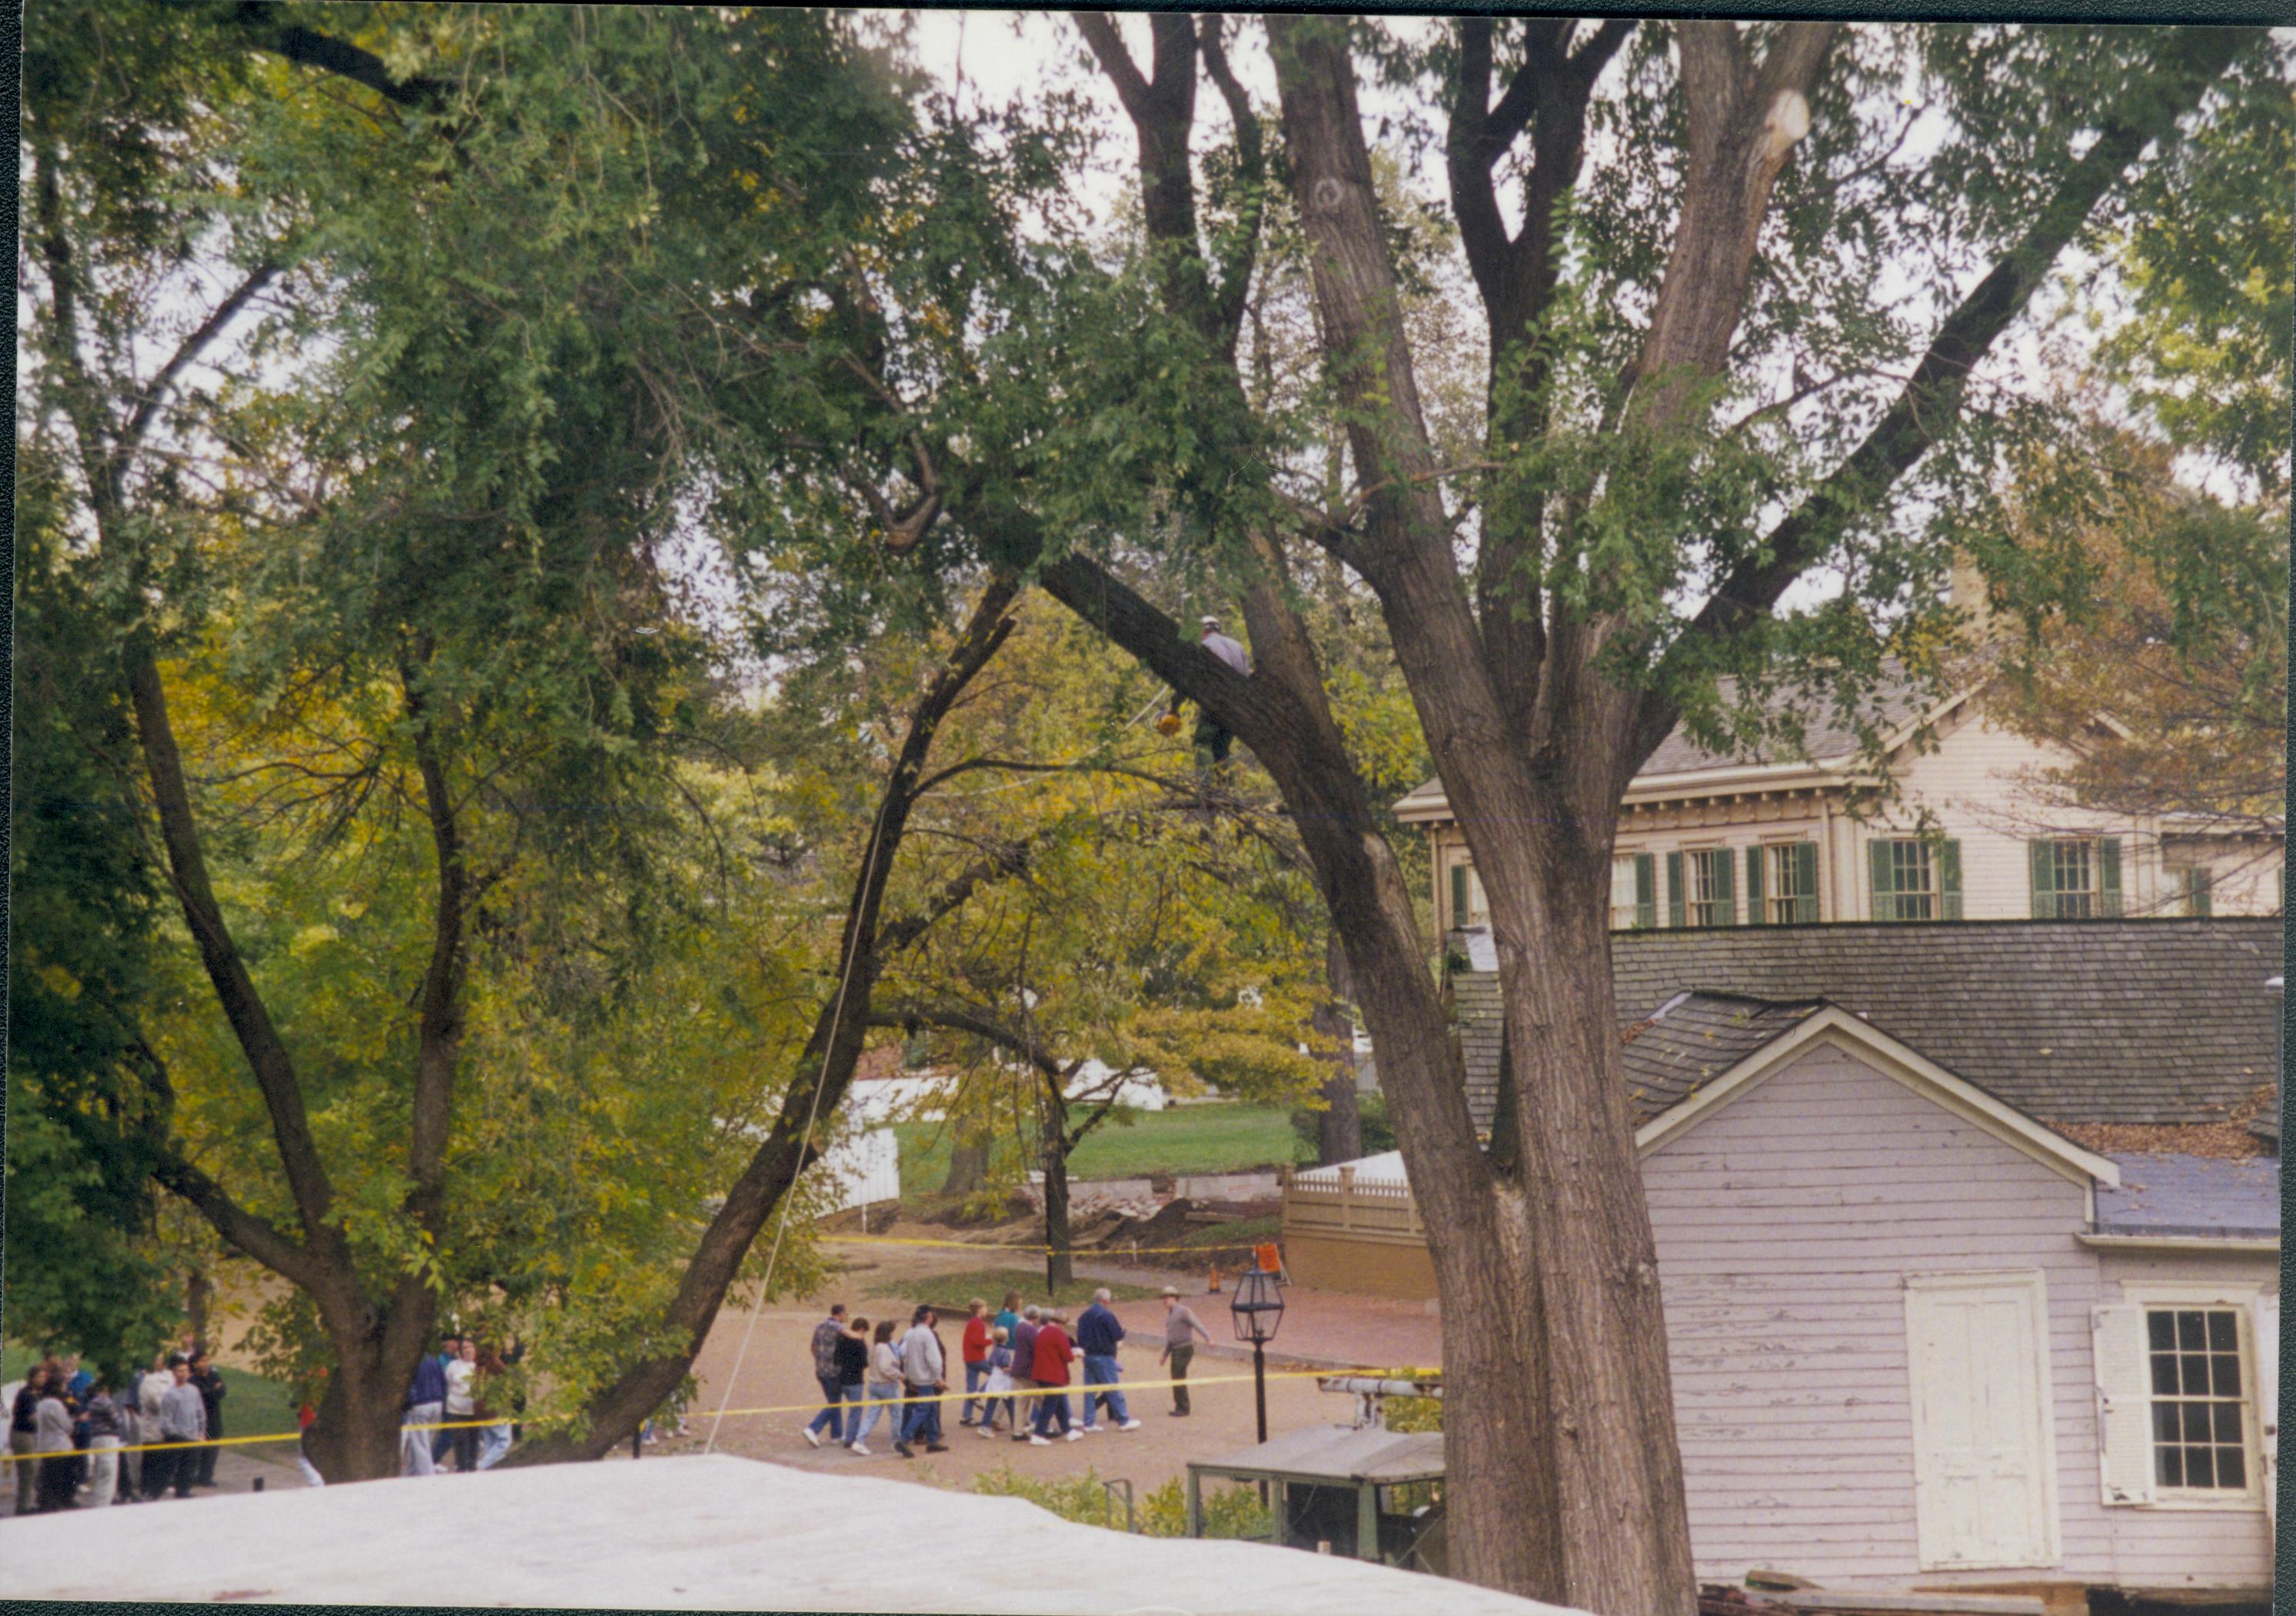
[
  {"x": 1931, "y": 401},
  {"x": 439, "y": 1022},
  {"x": 304, "y": 47}
]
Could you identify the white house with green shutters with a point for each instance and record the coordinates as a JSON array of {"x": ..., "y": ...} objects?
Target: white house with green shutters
[{"x": 1710, "y": 840}]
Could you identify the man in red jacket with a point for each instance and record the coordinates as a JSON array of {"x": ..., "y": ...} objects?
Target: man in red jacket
[
  {"x": 1054, "y": 1352},
  {"x": 976, "y": 1357}
]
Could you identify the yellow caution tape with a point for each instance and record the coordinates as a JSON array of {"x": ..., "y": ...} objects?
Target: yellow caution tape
[
  {"x": 1193, "y": 1383},
  {"x": 1088, "y": 1253}
]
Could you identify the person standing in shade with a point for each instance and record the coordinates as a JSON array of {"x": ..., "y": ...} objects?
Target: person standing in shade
[
  {"x": 52, "y": 1439},
  {"x": 426, "y": 1406},
  {"x": 1183, "y": 1332},
  {"x": 183, "y": 1418},
  {"x": 127, "y": 1414},
  {"x": 493, "y": 1440},
  {"x": 23, "y": 1430},
  {"x": 1024, "y": 1369},
  {"x": 883, "y": 1385},
  {"x": 449, "y": 1349},
  {"x": 1009, "y": 1315},
  {"x": 462, "y": 1406},
  {"x": 1097, "y": 1335},
  {"x": 925, "y": 1371},
  {"x": 824, "y": 1375},
  {"x": 209, "y": 1381},
  {"x": 975, "y": 1348},
  {"x": 103, "y": 1439},
  {"x": 1054, "y": 1350}
]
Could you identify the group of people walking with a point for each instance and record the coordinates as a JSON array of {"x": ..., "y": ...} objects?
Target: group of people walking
[
  {"x": 67, "y": 1426},
  {"x": 1017, "y": 1364}
]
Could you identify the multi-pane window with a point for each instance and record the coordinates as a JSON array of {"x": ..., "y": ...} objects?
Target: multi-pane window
[
  {"x": 2076, "y": 878},
  {"x": 1790, "y": 892},
  {"x": 1912, "y": 892},
  {"x": 1634, "y": 891},
  {"x": 2200, "y": 1414},
  {"x": 1709, "y": 895},
  {"x": 2073, "y": 879},
  {"x": 1468, "y": 906},
  {"x": 2196, "y": 884}
]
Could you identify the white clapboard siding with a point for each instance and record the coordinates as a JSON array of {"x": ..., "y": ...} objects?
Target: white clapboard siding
[
  {"x": 865, "y": 1169},
  {"x": 2170, "y": 1547},
  {"x": 1786, "y": 1222}
]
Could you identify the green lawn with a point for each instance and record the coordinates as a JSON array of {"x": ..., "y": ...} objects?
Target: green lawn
[
  {"x": 991, "y": 1284},
  {"x": 1186, "y": 1139}
]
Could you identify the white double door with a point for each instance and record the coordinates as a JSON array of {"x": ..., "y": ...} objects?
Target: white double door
[{"x": 1984, "y": 1460}]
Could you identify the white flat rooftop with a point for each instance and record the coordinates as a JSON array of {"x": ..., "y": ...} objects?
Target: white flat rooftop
[{"x": 701, "y": 1533}]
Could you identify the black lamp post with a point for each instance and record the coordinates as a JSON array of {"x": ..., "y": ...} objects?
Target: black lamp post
[{"x": 1259, "y": 1309}]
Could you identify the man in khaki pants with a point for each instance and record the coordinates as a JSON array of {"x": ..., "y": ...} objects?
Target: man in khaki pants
[{"x": 1182, "y": 1332}]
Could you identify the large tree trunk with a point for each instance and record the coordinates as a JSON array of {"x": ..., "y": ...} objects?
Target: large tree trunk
[{"x": 968, "y": 1163}]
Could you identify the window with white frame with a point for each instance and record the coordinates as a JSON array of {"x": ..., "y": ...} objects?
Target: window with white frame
[
  {"x": 2073, "y": 879},
  {"x": 1468, "y": 906},
  {"x": 1709, "y": 895},
  {"x": 2195, "y": 885},
  {"x": 1622, "y": 892},
  {"x": 2201, "y": 1417},
  {"x": 1790, "y": 894},
  {"x": 2076, "y": 878},
  {"x": 1913, "y": 881}
]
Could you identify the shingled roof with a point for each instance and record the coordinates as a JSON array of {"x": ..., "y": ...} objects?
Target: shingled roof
[
  {"x": 1694, "y": 1037},
  {"x": 2152, "y": 1023}
]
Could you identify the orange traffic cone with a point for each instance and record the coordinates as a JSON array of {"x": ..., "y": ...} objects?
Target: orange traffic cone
[{"x": 1215, "y": 1285}]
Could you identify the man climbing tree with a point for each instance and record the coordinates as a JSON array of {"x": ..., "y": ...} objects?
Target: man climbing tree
[{"x": 1212, "y": 738}]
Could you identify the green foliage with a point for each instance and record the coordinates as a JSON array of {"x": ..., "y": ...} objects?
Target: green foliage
[
  {"x": 1371, "y": 1109},
  {"x": 1234, "y": 1511},
  {"x": 87, "y": 1269}
]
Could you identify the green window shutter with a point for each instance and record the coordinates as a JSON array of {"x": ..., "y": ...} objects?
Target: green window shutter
[
  {"x": 1645, "y": 892},
  {"x": 2108, "y": 875},
  {"x": 1806, "y": 881},
  {"x": 1877, "y": 861},
  {"x": 1673, "y": 908},
  {"x": 1725, "y": 884},
  {"x": 2045, "y": 877},
  {"x": 1458, "y": 896},
  {"x": 1949, "y": 879},
  {"x": 1754, "y": 915},
  {"x": 2199, "y": 897}
]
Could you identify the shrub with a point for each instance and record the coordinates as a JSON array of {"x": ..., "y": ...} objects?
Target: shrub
[
  {"x": 1231, "y": 1512},
  {"x": 1378, "y": 1132}
]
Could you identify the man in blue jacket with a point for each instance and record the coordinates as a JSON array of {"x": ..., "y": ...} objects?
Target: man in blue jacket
[
  {"x": 1097, "y": 1333},
  {"x": 426, "y": 1405}
]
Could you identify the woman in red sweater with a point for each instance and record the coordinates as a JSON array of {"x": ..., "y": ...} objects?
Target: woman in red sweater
[
  {"x": 976, "y": 1359},
  {"x": 1055, "y": 1352}
]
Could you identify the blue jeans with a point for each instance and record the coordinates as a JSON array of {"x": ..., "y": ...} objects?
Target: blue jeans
[
  {"x": 493, "y": 1442},
  {"x": 975, "y": 1374},
  {"x": 827, "y": 1419},
  {"x": 881, "y": 1397},
  {"x": 1100, "y": 1370},
  {"x": 921, "y": 1419},
  {"x": 1055, "y": 1403}
]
